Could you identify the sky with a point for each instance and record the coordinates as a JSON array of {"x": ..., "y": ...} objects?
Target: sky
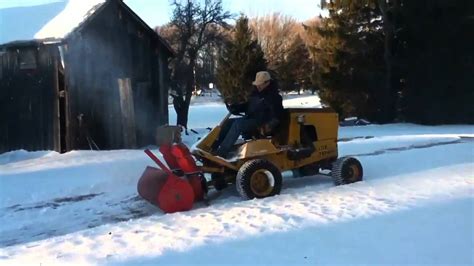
[{"x": 158, "y": 12}]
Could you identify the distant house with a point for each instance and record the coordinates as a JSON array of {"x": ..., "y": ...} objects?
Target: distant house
[{"x": 95, "y": 76}]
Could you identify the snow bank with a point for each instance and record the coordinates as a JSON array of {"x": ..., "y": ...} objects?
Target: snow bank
[{"x": 21, "y": 155}]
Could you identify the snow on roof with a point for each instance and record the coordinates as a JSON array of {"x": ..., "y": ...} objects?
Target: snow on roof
[{"x": 73, "y": 15}]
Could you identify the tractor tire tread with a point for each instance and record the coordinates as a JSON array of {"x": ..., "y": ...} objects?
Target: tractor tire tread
[
  {"x": 338, "y": 168},
  {"x": 246, "y": 171}
]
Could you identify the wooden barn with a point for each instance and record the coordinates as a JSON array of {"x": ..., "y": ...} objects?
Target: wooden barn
[{"x": 94, "y": 77}]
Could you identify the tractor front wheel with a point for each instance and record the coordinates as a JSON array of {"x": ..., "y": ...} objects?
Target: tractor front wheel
[
  {"x": 258, "y": 179},
  {"x": 346, "y": 170}
]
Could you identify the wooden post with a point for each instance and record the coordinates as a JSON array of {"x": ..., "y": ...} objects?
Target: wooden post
[
  {"x": 56, "y": 110},
  {"x": 163, "y": 89},
  {"x": 128, "y": 113}
]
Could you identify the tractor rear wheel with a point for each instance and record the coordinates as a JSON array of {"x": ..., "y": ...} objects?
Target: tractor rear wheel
[
  {"x": 258, "y": 179},
  {"x": 346, "y": 170}
]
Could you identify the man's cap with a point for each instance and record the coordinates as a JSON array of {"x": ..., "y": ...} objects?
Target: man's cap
[{"x": 261, "y": 77}]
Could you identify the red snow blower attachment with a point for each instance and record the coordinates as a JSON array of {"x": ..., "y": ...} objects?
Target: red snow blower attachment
[
  {"x": 165, "y": 189},
  {"x": 176, "y": 189}
]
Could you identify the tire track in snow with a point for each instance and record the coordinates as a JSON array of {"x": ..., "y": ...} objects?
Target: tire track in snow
[
  {"x": 66, "y": 215},
  {"x": 415, "y": 146}
]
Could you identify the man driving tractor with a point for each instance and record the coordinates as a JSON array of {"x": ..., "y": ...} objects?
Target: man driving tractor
[
  {"x": 256, "y": 169},
  {"x": 263, "y": 110}
]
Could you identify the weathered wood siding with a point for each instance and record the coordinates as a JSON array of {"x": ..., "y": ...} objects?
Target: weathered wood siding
[
  {"x": 27, "y": 99},
  {"x": 113, "y": 46}
]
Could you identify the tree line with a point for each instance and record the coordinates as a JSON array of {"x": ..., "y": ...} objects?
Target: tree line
[{"x": 383, "y": 60}]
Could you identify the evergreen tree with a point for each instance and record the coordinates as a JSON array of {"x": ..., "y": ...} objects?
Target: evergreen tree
[
  {"x": 349, "y": 60},
  {"x": 428, "y": 60},
  {"x": 240, "y": 60},
  {"x": 438, "y": 61}
]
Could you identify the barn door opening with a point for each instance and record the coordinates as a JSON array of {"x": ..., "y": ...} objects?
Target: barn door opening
[
  {"x": 128, "y": 113},
  {"x": 62, "y": 112},
  {"x": 60, "y": 125}
]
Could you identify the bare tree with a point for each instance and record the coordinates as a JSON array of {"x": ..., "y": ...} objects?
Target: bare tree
[
  {"x": 275, "y": 34},
  {"x": 193, "y": 26},
  {"x": 285, "y": 44}
]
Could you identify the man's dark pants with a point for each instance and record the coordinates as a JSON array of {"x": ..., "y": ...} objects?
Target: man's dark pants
[{"x": 231, "y": 131}]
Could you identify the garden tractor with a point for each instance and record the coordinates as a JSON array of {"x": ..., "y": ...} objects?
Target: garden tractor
[{"x": 305, "y": 142}]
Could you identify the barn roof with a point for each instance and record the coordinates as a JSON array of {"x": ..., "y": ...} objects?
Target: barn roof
[{"x": 73, "y": 17}]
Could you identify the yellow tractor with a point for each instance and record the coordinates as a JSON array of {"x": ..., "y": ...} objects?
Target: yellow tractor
[{"x": 304, "y": 142}]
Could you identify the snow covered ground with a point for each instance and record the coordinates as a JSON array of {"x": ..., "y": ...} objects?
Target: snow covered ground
[{"x": 415, "y": 206}]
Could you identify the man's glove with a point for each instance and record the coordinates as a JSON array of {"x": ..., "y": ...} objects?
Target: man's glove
[
  {"x": 265, "y": 130},
  {"x": 235, "y": 109},
  {"x": 231, "y": 108},
  {"x": 269, "y": 127}
]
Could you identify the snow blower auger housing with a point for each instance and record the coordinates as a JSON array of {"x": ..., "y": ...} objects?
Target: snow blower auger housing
[{"x": 304, "y": 142}]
